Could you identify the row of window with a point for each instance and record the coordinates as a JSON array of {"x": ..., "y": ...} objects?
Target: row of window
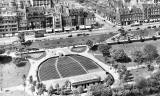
[
  {"x": 4, "y": 30},
  {"x": 2, "y": 22},
  {"x": 8, "y": 26}
]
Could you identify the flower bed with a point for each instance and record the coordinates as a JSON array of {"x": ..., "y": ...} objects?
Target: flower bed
[
  {"x": 37, "y": 56},
  {"x": 79, "y": 49}
]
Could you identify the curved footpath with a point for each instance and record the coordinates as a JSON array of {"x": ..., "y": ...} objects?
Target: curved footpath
[
  {"x": 56, "y": 52},
  {"x": 108, "y": 68}
]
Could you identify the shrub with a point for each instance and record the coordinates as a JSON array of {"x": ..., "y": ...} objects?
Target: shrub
[
  {"x": 142, "y": 40},
  {"x": 137, "y": 56},
  {"x": 120, "y": 56},
  {"x": 104, "y": 49},
  {"x": 154, "y": 37},
  {"x": 21, "y": 64},
  {"x": 150, "y": 52},
  {"x": 2, "y": 51},
  {"x": 5, "y": 59}
]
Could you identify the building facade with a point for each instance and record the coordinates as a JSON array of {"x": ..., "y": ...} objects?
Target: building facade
[
  {"x": 8, "y": 24},
  {"x": 35, "y": 17},
  {"x": 151, "y": 12},
  {"x": 45, "y": 3},
  {"x": 75, "y": 18}
]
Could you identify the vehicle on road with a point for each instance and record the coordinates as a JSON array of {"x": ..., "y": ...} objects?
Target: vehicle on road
[
  {"x": 136, "y": 24},
  {"x": 70, "y": 36}
]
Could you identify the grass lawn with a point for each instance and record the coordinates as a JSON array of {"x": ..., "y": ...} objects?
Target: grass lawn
[
  {"x": 12, "y": 75},
  {"x": 70, "y": 41},
  {"x": 131, "y": 47},
  {"x": 145, "y": 32},
  {"x": 141, "y": 72}
]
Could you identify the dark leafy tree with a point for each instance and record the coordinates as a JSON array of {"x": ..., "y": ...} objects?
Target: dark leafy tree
[
  {"x": 150, "y": 52},
  {"x": 80, "y": 89},
  {"x": 123, "y": 32},
  {"x": 141, "y": 83},
  {"x": 21, "y": 37},
  {"x": 119, "y": 55},
  {"x": 50, "y": 90},
  {"x": 75, "y": 93},
  {"x": 32, "y": 89},
  {"x": 5, "y": 59},
  {"x": 2, "y": 50},
  {"x": 27, "y": 43},
  {"x": 137, "y": 56},
  {"x": 104, "y": 49},
  {"x": 158, "y": 60},
  {"x": 127, "y": 77},
  {"x": 30, "y": 79}
]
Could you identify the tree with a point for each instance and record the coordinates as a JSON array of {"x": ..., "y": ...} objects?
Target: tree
[
  {"x": 158, "y": 60},
  {"x": 141, "y": 83},
  {"x": 81, "y": 1},
  {"x": 150, "y": 52},
  {"x": 127, "y": 76},
  {"x": 123, "y": 32},
  {"x": 27, "y": 43},
  {"x": 109, "y": 80},
  {"x": 32, "y": 89},
  {"x": 104, "y": 49},
  {"x": 106, "y": 92},
  {"x": 76, "y": 93},
  {"x": 80, "y": 89},
  {"x": 21, "y": 37},
  {"x": 67, "y": 84},
  {"x": 30, "y": 79},
  {"x": 89, "y": 43},
  {"x": 137, "y": 56},
  {"x": 57, "y": 87},
  {"x": 50, "y": 90},
  {"x": 24, "y": 79},
  {"x": 119, "y": 55},
  {"x": 2, "y": 50}
]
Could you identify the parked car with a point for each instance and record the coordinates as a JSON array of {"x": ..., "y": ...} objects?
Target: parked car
[
  {"x": 138, "y": 28},
  {"x": 79, "y": 34},
  {"x": 84, "y": 34},
  {"x": 149, "y": 27},
  {"x": 153, "y": 26},
  {"x": 70, "y": 36}
]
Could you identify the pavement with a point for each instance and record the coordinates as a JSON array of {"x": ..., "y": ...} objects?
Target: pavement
[
  {"x": 56, "y": 52},
  {"x": 10, "y": 40}
]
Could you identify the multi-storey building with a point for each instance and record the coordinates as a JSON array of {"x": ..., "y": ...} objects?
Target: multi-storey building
[
  {"x": 8, "y": 24},
  {"x": 128, "y": 17},
  {"x": 76, "y": 18},
  {"x": 57, "y": 22},
  {"x": 35, "y": 17},
  {"x": 151, "y": 12},
  {"x": 156, "y": 1},
  {"x": 21, "y": 19},
  {"x": 45, "y": 3}
]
